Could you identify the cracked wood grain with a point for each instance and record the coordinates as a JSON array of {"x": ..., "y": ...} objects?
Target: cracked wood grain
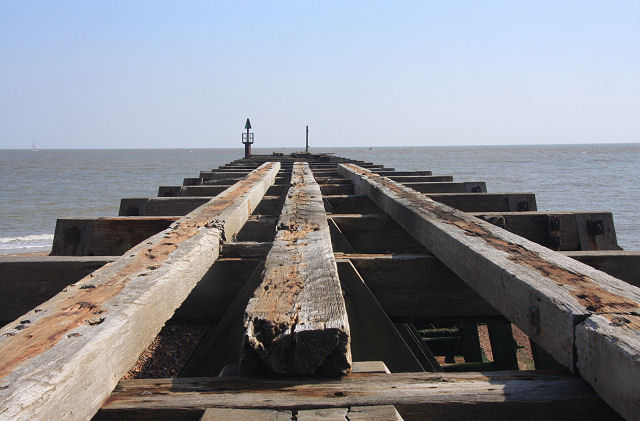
[
  {"x": 551, "y": 297},
  {"x": 65, "y": 361},
  {"x": 296, "y": 321}
]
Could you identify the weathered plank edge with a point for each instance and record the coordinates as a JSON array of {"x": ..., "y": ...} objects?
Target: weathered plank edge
[
  {"x": 543, "y": 292},
  {"x": 296, "y": 322},
  {"x": 63, "y": 360}
]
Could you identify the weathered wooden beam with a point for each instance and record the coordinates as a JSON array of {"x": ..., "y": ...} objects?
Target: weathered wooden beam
[
  {"x": 340, "y": 188},
  {"x": 556, "y": 230},
  {"x": 418, "y": 287},
  {"x": 403, "y": 173},
  {"x": 448, "y": 186},
  {"x": 191, "y": 181},
  {"x": 487, "y": 202},
  {"x": 261, "y": 228},
  {"x": 363, "y": 234},
  {"x": 523, "y": 395},
  {"x": 245, "y": 249},
  {"x": 209, "y": 190},
  {"x": 559, "y": 230},
  {"x": 620, "y": 264},
  {"x": 296, "y": 322},
  {"x": 466, "y": 202},
  {"x": 62, "y": 359},
  {"x": 26, "y": 282},
  {"x": 108, "y": 236},
  {"x": 420, "y": 178},
  {"x": 548, "y": 295},
  {"x": 180, "y": 206},
  {"x": 211, "y": 298},
  {"x": 410, "y": 287}
]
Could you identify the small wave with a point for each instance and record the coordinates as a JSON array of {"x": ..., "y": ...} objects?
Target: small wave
[{"x": 26, "y": 241}]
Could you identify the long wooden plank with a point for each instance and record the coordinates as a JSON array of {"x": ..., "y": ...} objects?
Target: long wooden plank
[
  {"x": 63, "y": 359},
  {"x": 524, "y": 395},
  {"x": 543, "y": 292},
  {"x": 296, "y": 322}
]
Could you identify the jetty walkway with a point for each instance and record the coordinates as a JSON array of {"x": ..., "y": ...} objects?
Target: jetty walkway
[{"x": 325, "y": 288}]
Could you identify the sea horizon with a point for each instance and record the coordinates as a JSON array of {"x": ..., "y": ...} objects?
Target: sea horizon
[{"x": 53, "y": 183}]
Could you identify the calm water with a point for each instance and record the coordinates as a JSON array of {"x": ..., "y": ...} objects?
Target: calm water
[{"x": 39, "y": 187}]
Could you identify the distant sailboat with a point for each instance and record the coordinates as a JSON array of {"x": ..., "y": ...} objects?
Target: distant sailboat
[{"x": 33, "y": 147}]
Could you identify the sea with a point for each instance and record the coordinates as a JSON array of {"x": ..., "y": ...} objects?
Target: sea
[{"x": 40, "y": 186}]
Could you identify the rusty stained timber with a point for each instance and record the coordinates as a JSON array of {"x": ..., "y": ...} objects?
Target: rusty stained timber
[
  {"x": 62, "y": 359},
  {"x": 586, "y": 319},
  {"x": 296, "y": 321}
]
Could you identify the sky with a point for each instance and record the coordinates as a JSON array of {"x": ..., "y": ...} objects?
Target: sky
[{"x": 186, "y": 74}]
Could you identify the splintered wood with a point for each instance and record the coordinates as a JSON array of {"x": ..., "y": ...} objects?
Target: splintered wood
[{"x": 296, "y": 321}]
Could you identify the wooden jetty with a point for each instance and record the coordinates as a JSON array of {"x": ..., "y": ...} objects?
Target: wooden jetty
[{"x": 325, "y": 288}]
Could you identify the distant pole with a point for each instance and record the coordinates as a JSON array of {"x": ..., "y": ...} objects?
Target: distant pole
[
  {"x": 247, "y": 139},
  {"x": 306, "y": 149}
]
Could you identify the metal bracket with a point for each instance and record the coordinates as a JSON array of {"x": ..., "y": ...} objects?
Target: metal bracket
[
  {"x": 553, "y": 228},
  {"x": 595, "y": 227}
]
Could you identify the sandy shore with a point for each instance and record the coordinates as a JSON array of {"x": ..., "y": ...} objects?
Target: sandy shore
[{"x": 25, "y": 254}]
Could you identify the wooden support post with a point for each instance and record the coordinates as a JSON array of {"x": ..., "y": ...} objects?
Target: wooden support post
[
  {"x": 503, "y": 346},
  {"x": 471, "y": 349},
  {"x": 296, "y": 322},
  {"x": 552, "y": 298},
  {"x": 62, "y": 359}
]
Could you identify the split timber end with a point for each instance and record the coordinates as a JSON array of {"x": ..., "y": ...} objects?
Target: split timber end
[{"x": 296, "y": 322}]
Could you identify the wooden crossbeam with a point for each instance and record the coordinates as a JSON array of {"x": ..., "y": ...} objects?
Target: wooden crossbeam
[
  {"x": 410, "y": 287},
  {"x": 357, "y": 413},
  {"x": 296, "y": 322},
  {"x": 420, "y": 178},
  {"x": 447, "y": 186},
  {"x": 559, "y": 230},
  {"x": 536, "y": 226},
  {"x": 26, "y": 282},
  {"x": 466, "y": 202},
  {"x": 524, "y": 395},
  {"x": 551, "y": 297},
  {"x": 108, "y": 236},
  {"x": 176, "y": 206},
  {"x": 62, "y": 359}
]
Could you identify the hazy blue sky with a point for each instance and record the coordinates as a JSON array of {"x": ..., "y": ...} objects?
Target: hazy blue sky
[{"x": 187, "y": 74}]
